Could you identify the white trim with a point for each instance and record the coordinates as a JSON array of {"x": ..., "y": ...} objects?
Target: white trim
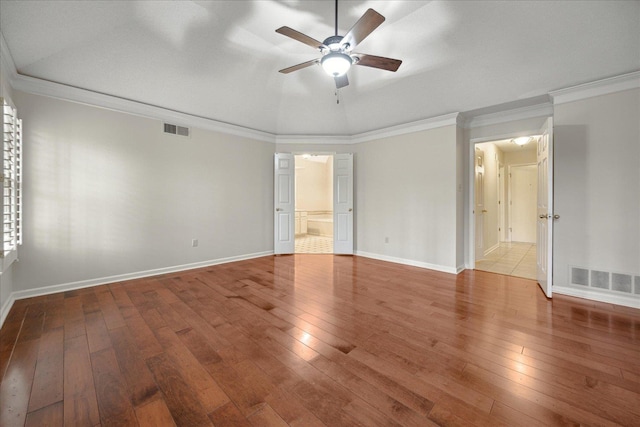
[
  {"x": 6, "y": 59},
  {"x": 6, "y": 307},
  {"x": 597, "y": 88},
  {"x": 522, "y": 113},
  {"x": 95, "y": 99},
  {"x": 314, "y": 139},
  {"x": 594, "y": 295},
  {"x": 413, "y": 263},
  {"x": 492, "y": 248},
  {"x": 512, "y": 135},
  {"x": 46, "y": 290},
  {"x": 402, "y": 129},
  {"x": 411, "y": 127}
]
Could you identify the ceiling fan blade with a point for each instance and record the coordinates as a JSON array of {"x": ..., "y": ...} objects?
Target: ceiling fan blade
[
  {"x": 299, "y": 66},
  {"x": 381, "y": 62},
  {"x": 297, "y": 35},
  {"x": 361, "y": 29},
  {"x": 341, "y": 81}
]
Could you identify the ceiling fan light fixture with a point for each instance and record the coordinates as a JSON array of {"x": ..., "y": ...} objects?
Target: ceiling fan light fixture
[{"x": 336, "y": 64}]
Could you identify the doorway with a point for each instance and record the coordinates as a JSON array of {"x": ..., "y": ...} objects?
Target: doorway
[
  {"x": 284, "y": 223},
  {"x": 505, "y": 207},
  {"x": 314, "y": 203}
]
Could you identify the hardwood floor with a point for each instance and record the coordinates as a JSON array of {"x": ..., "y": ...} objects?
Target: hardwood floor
[{"x": 311, "y": 340}]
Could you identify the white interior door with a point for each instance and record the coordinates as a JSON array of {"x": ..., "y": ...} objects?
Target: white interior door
[
  {"x": 501, "y": 204},
  {"x": 343, "y": 203},
  {"x": 284, "y": 204},
  {"x": 479, "y": 209},
  {"x": 523, "y": 203},
  {"x": 544, "y": 240}
]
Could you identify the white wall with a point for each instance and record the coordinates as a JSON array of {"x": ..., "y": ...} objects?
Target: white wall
[
  {"x": 461, "y": 227},
  {"x": 314, "y": 184},
  {"x": 597, "y": 185},
  {"x": 408, "y": 188},
  {"x": 110, "y": 194},
  {"x": 407, "y": 191}
]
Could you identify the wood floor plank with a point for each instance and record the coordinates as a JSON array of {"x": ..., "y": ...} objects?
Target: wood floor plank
[
  {"x": 49, "y": 416},
  {"x": 140, "y": 383},
  {"x": 228, "y": 415},
  {"x": 153, "y": 414},
  {"x": 319, "y": 340},
  {"x": 17, "y": 382},
  {"x": 111, "y": 390},
  {"x": 80, "y": 402},
  {"x": 48, "y": 381},
  {"x": 181, "y": 400},
  {"x": 207, "y": 390}
]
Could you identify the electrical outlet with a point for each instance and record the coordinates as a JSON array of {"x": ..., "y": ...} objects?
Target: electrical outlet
[{"x": 194, "y": 243}]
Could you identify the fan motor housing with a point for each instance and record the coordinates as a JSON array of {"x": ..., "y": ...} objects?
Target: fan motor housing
[{"x": 333, "y": 41}]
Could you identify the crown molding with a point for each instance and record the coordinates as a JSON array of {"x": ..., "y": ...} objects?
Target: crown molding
[
  {"x": 597, "y": 88},
  {"x": 7, "y": 66},
  {"x": 405, "y": 128},
  {"x": 539, "y": 110},
  {"x": 96, "y": 99},
  {"x": 314, "y": 139},
  {"x": 411, "y": 127}
]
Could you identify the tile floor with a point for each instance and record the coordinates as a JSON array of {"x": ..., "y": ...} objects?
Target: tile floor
[
  {"x": 514, "y": 259},
  {"x": 309, "y": 244}
]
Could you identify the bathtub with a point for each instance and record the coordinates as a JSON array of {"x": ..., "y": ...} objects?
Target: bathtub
[{"x": 320, "y": 223}]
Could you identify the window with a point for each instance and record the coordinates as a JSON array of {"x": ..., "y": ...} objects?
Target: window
[{"x": 11, "y": 179}]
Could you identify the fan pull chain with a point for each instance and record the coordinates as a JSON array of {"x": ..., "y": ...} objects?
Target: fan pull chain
[{"x": 337, "y": 96}]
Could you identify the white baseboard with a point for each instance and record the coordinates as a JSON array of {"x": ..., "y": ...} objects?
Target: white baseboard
[
  {"x": 491, "y": 249},
  {"x": 46, "y": 290},
  {"x": 592, "y": 294},
  {"x": 4, "y": 311},
  {"x": 411, "y": 262}
]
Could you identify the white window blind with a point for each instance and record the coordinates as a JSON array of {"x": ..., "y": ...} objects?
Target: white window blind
[{"x": 11, "y": 179}]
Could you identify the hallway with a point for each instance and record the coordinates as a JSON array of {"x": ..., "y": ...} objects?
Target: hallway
[{"x": 512, "y": 258}]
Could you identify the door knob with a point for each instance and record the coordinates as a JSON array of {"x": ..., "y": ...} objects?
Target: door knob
[
  {"x": 350, "y": 209},
  {"x": 543, "y": 216},
  {"x": 484, "y": 211},
  {"x": 556, "y": 216},
  {"x": 278, "y": 209}
]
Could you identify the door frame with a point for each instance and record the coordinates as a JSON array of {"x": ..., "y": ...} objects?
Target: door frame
[
  {"x": 332, "y": 154},
  {"x": 470, "y": 218}
]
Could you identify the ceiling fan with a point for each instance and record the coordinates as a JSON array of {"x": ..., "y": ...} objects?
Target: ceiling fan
[{"x": 337, "y": 51}]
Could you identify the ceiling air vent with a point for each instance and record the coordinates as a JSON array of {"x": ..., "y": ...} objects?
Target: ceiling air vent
[{"x": 176, "y": 130}]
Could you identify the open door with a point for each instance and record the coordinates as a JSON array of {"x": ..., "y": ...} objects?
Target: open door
[
  {"x": 284, "y": 204},
  {"x": 544, "y": 228},
  {"x": 479, "y": 208},
  {"x": 343, "y": 204}
]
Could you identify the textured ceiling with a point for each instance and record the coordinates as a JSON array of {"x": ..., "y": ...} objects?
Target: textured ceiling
[{"x": 220, "y": 59}]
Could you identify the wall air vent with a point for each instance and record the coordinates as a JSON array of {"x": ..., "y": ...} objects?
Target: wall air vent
[
  {"x": 176, "y": 130},
  {"x": 612, "y": 281}
]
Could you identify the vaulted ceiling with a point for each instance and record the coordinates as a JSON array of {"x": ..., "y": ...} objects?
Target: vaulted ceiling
[{"x": 220, "y": 59}]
